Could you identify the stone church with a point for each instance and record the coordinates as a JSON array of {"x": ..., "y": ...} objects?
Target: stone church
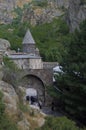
[
  {"x": 30, "y": 57},
  {"x": 35, "y": 73}
]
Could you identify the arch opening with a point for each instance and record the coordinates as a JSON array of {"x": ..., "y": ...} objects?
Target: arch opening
[{"x": 32, "y": 81}]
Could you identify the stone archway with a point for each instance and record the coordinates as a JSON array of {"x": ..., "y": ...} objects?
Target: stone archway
[{"x": 32, "y": 81}]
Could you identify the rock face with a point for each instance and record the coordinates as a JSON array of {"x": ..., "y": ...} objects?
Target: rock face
[
  {"x": 34, "y": 15},
  {"x": 23, "y": 125},
  {"x": 7, "y": 7},
  {"x": 76, "y": 13},
  {"x": 4, "y": 45},
  {"x": 38, "y": 15},
  {"x": 12, "y": 109},
  {"x": 10, "y": 99},
  {"x": 61, "y": 3}
]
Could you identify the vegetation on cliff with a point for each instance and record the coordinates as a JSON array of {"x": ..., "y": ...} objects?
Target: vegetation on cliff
[
  {"x": 10, "y": 71},
  {"x": 59, "y": 123},
  {"x": 5, "y": 122},
  {"x": 56, "y": 44},
  {"x": 48, "y": 37},
  {"x": 72, "y": 82}
]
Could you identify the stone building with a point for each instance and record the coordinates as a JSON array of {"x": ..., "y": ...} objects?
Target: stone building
[
  {"x": 29, "y": 44},
  {"x": 34, "y": 72},
  {"x": 30, "y": 57}
]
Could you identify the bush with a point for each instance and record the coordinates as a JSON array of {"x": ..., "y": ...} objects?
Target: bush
[
  {"x": 10, "y": 71},
  {"x": 41, "y": 3},
  {"x": 60, "y": 123},
  {"x": 5, "y": 122},
  {"x": 2, "y": 107}
]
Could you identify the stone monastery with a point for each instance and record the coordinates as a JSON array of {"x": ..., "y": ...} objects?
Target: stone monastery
[{"x": 34, "y": 72}]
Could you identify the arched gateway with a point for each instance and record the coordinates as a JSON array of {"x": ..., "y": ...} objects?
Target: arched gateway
[{"x": 34, "y": 82}]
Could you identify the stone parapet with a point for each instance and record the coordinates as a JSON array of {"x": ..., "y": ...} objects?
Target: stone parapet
[{"x": 49, "y": 65}]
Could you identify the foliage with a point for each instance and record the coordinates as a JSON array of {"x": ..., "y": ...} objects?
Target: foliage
[
  {"x": 41, "y": 3},
  {"x": 47, "y": 36},
  {"x": 73, "y": 81},
  {"x": 2, "y": 107},
  {"x": 5, "y": 122},
  {"x": 10, "y": 64},
  {"x": 10, "y": 71},
  {"x": 59, "y": 123},
  {"x": 10, "y": 33},
  {"x": 23, "y": 108}
]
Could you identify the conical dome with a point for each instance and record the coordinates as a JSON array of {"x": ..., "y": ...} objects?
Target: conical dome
[{"x": 28, "y": 39}]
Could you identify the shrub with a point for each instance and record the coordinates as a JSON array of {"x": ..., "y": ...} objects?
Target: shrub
[
  {"x": 10, "y": 71},
  {"x": 41, "y": 3},
  {"x": 5, "y": 122},
  {"x": 60, "y": 123}
]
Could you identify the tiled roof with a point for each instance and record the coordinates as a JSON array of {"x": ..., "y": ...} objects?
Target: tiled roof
[{"x": 28, "y": 39}]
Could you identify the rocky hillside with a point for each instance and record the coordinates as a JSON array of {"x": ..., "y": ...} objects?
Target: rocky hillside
[
  {"x": 7, "y": 7},
  {"x": 17, "y": 109},
  {"x": 76, "y": 13},
  {"x": 61, "y": 3},
  {"x": 37, "y": 13}
]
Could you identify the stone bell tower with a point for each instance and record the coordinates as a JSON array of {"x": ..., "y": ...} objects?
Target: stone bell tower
[{"x": 28, "y": 43}]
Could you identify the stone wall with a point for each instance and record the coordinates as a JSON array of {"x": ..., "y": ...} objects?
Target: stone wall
[
  {"x": 22, "y": 63},
  {"x": 49, "y": 65},
  {"x": 29, "y": 63},
  {"x": 45, "y": 75},
  {"x": 29, "y": 48},
  {"x": 35, "y": 64},
  {"x": 38, "y": 79},
  {"x": 31, "y": 81}
]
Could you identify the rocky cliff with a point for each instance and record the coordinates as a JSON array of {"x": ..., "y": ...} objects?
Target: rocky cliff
[
  {"x": 38, "y": 15},
  {"x": 35, "y": 14},
  {"x": 17, "y": 109},
  {"x": 7, "y": 7},
  {"x": 76, "y": 13},
  {"x": 61, "y": 3}
]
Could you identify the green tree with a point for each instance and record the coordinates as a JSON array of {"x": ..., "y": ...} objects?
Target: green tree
[{"x": 73, "y": 81}]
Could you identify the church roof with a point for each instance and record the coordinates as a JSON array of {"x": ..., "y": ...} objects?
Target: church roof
[{"x": 28, "y": 39}]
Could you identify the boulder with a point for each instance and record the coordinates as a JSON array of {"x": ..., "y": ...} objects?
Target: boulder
[
  {"x": 41, "y": 122},
  {"x": 23, "y": 125},
  {"x": 4, "y": 45}
]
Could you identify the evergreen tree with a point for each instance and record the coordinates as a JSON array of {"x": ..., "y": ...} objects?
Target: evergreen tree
[{"x": 73, "y": 81}]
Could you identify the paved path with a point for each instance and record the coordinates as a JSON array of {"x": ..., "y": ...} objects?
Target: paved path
[{"x": 48, "y": 111}]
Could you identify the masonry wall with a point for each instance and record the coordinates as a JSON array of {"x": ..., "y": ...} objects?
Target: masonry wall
[
  {"x": 49, "y": 65},
  {"x": 29, "y": 48},
  {"x": 35, "y": 64},
  {"x": 22, "y": 63},
  {"x": 29, "y": 63}
]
